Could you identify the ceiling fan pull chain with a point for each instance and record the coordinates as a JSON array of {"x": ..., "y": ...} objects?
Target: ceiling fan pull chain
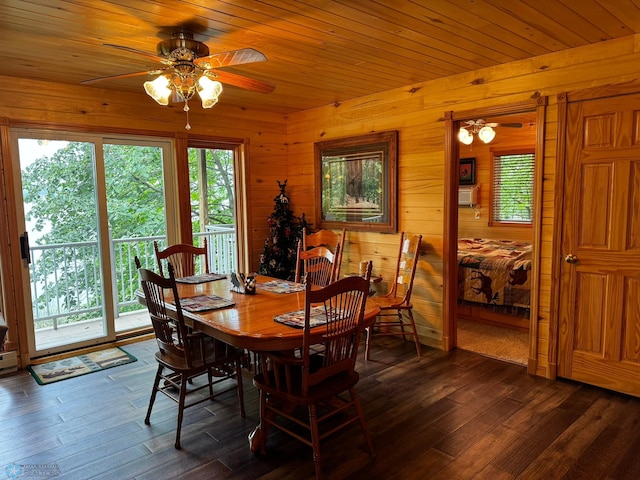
[{"x": 186, "y": 109}]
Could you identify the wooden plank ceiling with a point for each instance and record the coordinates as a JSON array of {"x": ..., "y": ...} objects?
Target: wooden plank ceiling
[{"x": 319, "y": 51}]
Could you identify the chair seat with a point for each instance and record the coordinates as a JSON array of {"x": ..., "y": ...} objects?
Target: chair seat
[
  {"x": 179, "y": 365},
  {"x": 391, "y": 303},
  {"x": 317, "y": 393},
  {"x": 218, "y": 355}
]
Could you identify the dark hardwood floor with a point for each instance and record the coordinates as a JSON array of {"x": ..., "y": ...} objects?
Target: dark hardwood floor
[{"x": 444, "y": 416}]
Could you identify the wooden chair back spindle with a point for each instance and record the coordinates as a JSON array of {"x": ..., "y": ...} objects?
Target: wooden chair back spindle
[{"x": 183, "y": 257}]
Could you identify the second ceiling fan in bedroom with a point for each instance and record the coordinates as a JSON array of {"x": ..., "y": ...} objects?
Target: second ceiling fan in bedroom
[
  {"x": 187, "y": 68},
  {"x": 483, "y": 129}
]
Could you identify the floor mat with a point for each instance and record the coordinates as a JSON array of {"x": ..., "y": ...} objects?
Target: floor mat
[
  {"x": 51, "y": 372},
  {"x": 492, "y": 341}
]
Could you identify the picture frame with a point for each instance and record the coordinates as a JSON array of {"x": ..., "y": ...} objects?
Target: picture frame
[
  {"x": 356, "y": 183},
  {"x": 467, "y": 171}
]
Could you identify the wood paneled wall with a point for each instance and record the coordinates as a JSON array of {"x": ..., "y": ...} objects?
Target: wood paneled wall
[
  {"x": 417, "y": 111},
  {"x": 282, "y": 148}
]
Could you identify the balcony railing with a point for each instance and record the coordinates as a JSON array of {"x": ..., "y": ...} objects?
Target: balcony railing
[{"x": 66, "y": 285}]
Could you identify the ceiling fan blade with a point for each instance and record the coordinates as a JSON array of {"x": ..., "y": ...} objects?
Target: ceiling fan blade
[
  {"x": 234, "y": 57},
  {"x": 123, "y": 75},
  {"x": 151, "y": 56},
  {"x": 510, "y": 125},
  {"x": 242, "y": 81}
]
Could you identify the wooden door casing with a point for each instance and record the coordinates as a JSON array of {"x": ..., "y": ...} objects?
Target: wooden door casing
[{"x": 599, "y": 334}]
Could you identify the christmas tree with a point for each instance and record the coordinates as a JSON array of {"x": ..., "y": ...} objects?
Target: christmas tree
[{"x": 285, "y": 229}]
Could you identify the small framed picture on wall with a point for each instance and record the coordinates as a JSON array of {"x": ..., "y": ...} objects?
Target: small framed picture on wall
[{"x": 467, "y": 171}]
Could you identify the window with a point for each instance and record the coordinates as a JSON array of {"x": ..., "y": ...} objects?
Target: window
[
  {"x": 512, "y": 188},
  {"x": 213, "y": 204},
  {"x": 218, "y": 202}
]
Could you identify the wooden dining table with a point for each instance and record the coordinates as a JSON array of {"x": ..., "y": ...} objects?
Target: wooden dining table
[{"x": 249, "y": 323}]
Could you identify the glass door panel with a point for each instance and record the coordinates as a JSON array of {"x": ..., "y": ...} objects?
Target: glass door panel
[
  {"x": 136, "y": 211},
  {"x": 58, "y": 179}
]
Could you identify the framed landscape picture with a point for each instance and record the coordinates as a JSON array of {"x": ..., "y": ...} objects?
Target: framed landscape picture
[{"x": 356, "y": 182}]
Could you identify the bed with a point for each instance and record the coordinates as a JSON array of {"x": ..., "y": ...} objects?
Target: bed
[{"x": 495, "y": 274}]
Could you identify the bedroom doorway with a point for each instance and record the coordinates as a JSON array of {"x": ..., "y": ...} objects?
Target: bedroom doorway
[
  {"x": 495, "y": 237},
  {"x": 494, "y": 317}
]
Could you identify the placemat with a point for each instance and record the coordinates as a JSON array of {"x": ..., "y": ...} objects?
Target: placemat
[
  {"x": 201, "y": 303},
  {"x": 317, "y": 316},
  {"x": 281, "y": 286},
  {"x": 296, "y": 318},
  {"x": 202, "y": 278}
]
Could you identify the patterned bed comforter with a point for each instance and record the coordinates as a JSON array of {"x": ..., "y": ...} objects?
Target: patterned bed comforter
[{"x": 494, "y": 272}]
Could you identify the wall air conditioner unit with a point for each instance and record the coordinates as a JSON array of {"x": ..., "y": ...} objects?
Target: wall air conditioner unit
[{"x": 468, "y": 195}]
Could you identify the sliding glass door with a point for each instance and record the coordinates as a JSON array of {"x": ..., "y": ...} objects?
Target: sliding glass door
[{"x": 90, "y": 205}]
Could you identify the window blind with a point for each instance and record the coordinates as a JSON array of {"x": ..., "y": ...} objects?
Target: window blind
[{"x": 512, "y": 188}]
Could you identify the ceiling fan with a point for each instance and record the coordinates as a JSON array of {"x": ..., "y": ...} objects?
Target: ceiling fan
[
  {"x": 476, "y": 125},
  {"x": 187, "y": 68},
  {"x": 482, "y": 128}
]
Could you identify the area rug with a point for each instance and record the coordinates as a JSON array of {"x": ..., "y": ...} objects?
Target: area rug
[
  {"x": 492, "y": 341},
  {"x": 80, "y": 365}
]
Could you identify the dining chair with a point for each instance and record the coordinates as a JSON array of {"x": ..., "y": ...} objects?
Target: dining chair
[
  {"x": 326, "y": 238},
  {"x": 391, "y": 321},
  {"x": 183, "y": 355},
  {"x": 316, "y": 266},
  {"x": 183, "y": 257},
  {"x": 323, "y": 383}
]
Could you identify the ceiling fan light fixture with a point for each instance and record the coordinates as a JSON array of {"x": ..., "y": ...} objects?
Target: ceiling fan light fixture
[
  {"x": 465, "y": 136},
  {"x": 184, "y": 85},
  {"x": 188, "y": 67},
  {"x": 209, "y": 91},
  {"x": 159, "y": 90},
  {"x": 486, "y": 134}
]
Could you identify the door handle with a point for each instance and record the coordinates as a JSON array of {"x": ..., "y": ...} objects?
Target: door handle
[
  {"x": 25, "y": 252},
  {"x": 571, "y": 258}
]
